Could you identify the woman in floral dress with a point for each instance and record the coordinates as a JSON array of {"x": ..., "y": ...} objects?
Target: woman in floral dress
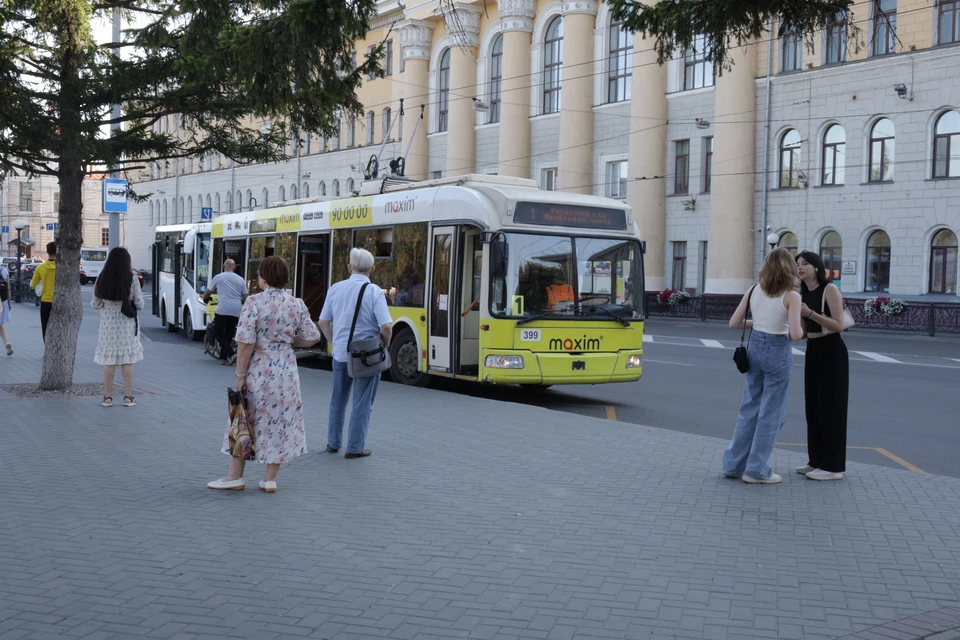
[
  {"x": 271, "y": 324},
  {"x": 119, "y": 340}
]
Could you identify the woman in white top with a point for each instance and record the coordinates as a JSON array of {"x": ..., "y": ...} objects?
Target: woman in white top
[{"x": 774, "y": 305}]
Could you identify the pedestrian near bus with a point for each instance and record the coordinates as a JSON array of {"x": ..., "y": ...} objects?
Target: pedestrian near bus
[
  {"x": 774, "y": 305},
  {"x": 231, "y": 291},
  {"x": 374, "y": 318},
  {"x": 5, "y": 294},
  {"x": 272, "y": 323},
  {"x": 826, "y": 371},
  {"x": 46, "y": 273},
  {"x": 119, "y": 340}
]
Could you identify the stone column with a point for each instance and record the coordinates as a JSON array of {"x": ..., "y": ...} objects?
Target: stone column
[
  {"x": 463, "y": 24},
  {"x": 513, "y": 155},
  {"x": 415, "y": 40},
  {"x": 576, "y": 97},
  {"x": 731, "y": 237},
  {"x": 647, "y": 159}
]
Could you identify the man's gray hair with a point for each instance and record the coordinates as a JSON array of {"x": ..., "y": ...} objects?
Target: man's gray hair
[{"x": 361, "y": 260}]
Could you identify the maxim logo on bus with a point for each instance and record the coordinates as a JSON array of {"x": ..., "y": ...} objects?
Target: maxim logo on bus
[
  {"x": 575, "y": 344},
  {"x": 398, "y": 206},
  {"x": 290, "y": 218}
]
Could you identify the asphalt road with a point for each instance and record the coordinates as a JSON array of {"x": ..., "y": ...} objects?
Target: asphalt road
[{"x": 904, "y": 392}]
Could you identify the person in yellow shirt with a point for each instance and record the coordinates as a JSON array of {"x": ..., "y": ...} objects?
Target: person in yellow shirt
[{"x": 47, "y": 274}]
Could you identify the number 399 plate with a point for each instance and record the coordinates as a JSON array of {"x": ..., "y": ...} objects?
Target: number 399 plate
[{"x": 530, "y": 335}]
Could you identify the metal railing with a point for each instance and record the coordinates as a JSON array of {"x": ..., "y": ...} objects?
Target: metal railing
[{"x": 929, "y": 318}]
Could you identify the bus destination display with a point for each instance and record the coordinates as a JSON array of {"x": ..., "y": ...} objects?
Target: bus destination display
[{"x": 560, "y": 215}]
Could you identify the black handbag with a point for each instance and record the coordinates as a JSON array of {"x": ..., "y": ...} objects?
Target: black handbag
[
  {"x": 740, "y": 353},
  {"x": 129, "y": 309}
]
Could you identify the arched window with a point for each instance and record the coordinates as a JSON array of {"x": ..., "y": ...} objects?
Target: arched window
[
  {"x": 620, "y": 59},
  {"x": 229, "y": 202},
  {"x": 351, "y": 131},
  {"x": 336, "y": 136},
  {"x": 181, "y": 212},
  {"x": 882, "y": 142},
  {"x": 323, "y": 188},
  {"x": 249, "y": 201},
  {"x": 349, "y": 185},
  {"x": 878, "y": 262},
  {"x": 444, "y": 84},
  {"x": 788, "y": 241},
  {"x": 943, "y": 262},
  {"x": 293, "y": 192},
  {"x": 496, "y": 78},
  {"x": 946, "y": 145},
  {"x": 264, "y": 199},
  {"x": 371, "y": 123},
  {"x": 385, "y": 124},
  {"x": 790, "y": 159},
  {"x": 831, "y": 252},
  {"x": 553, "y": 66},
  {"x": 152, "y": 223},
  {"x": 834, "y": 155},
  {"x": 336, "y": 188},
  {"x": 282, "y": 196},
  {"x": 306, "y": 190},
  {"x": 209, "y": 202},
  {"x": 238, "y": 203},
  {"x": 216, "y": 204},
  {"x": 164, "y": 219}
]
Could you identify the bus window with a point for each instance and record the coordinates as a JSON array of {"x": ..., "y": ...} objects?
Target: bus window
[
  {"x": 203, "y": 262},
  {"x": 379, "y": 242},
  {"x": 234, "y": 250},
  {"x": 218, "y": 258}
]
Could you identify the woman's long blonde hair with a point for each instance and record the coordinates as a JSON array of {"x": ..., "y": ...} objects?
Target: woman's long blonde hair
[{"x": 779, "y": 273}]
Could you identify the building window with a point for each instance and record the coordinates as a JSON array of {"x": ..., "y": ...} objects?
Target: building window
[
  {"x": 371, "y": 124},
  {"x": 707, "y": 163},
  {"x": 26, "y": 196},
  {"x": 949, "y": 30},
  {"x": 349, "y": 185},
  {"x": 385, "y": 123},
  {"x": 305, "y": 191},
  {"x": 791, "y": 50},
  {"x": 553, "y": 66},
  {"x": 884, "y": 27},
  {"x": 617, "y": 180},
  {"x": 679, "y": 266},
  {"x": 336, "y": 188},
  {"x": 351, "y": 131},
  {"x": 370, "y": 74},
  {"x": 697, "y": 70},
  {"x": 878, "y": 262},
  {"x": 946, "y": 146},
  {"x": 388, "y": 59},
  {"x": 266, "y": 199},
  {"x": 788, "y": 241},
  {"x": 836, "y": 37},
  {"x": 681, "y": 167},
  {"x": 620, "y": 62},
  {"x": 323, "y": 188},
  {"x": 104, "y": 237},
  {"x": 444, "y": 90},
  {"x": 282, "y": 195},
  {"x": 790, "y": 160},
  {"x": 548, "y": 179},
  {"x": 882, "y": 143},
  {"x": 496, "y": 78},
  {"x": 338, "y": 134},
  {"x": 831, "y": 251},
  {"x": 834, "y": 155},
  {"x": 943, "y": 262}
]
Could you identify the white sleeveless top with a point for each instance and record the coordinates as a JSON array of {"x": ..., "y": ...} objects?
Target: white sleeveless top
[{"x": 769, "y": 314}]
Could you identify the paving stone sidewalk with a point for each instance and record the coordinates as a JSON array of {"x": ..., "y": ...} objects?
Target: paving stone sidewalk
[{"x": 472, "y": 519}]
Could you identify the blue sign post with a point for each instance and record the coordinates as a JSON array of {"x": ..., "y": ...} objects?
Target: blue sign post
[
  {"x": 206, "y": 213},
  {"x": 114, "y": 195}
]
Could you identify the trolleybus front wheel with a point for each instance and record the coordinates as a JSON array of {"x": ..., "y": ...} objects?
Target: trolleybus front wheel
[{"x": 404, "y": 358}]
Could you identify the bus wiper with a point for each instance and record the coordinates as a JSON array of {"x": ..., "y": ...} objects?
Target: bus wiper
[
  {"x": 542, "y": 314},
  {"x": 609, "y": 313}
]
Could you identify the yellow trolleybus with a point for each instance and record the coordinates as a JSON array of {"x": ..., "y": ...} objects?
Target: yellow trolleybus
[{"x": 488, "y": 278}]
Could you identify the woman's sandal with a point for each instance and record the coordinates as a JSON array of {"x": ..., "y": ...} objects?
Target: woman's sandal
[
  {"x": 107, "y": 401},
  {"x": 128, "y": 401}
]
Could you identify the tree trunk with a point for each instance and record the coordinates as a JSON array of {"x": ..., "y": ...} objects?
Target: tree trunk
[{"x": 61, "y": 344}]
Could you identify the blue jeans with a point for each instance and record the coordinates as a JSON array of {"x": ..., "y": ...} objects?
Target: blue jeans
[
  {"x": 763, "y": 409},
  {"x": 364, "y": 392}
]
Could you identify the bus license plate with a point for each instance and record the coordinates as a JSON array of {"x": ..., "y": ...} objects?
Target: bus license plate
[{"x": 530, "y": 335}]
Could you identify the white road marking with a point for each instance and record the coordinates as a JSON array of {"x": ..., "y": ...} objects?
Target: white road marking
[
  {"x": 682, "y": 364},
  {"x": 877, "y": 357},
  {"x": 798, "y": 352},
  {"x": 715, "y": 344},
  {"x": 647, "y": 338}
]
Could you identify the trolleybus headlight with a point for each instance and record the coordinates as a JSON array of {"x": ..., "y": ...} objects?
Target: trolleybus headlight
[
  {"x": 633, "y": 362},
  {"x": 503, "y": 362}
]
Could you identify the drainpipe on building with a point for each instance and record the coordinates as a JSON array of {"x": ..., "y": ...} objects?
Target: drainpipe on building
[{"x": 766, "y": 147}]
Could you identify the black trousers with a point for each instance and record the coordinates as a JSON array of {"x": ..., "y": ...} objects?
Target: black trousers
[
  {"x": 826, "y": 379},
  {"x": 45, "y": 308},
  {"x": 226, "y": 327}
]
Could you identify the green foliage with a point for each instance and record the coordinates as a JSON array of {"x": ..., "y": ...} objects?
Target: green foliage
[{"x": 726, "y": 24}]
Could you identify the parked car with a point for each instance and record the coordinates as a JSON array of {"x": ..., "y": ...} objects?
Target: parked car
[{"x": 83, "y": 275}]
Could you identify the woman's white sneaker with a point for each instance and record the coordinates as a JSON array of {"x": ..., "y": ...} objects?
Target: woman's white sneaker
[
  {"x": 226, "y": 485},
  {"x": 820, "y": 474},
  {"x": 805, "y": 469},
  {"x": 773, "y": 479}
]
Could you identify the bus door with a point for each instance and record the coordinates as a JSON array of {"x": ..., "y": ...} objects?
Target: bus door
[
  {"x": 313, "y": 272},
  {"x": 157, "y": 256},
  {"x": 471, "y": 248},
  {"x": 442, "y": 303},
  {"x": 178, "y": 257}
]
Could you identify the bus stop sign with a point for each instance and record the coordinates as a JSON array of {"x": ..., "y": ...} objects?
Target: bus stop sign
[{"x": 114, "y": 195}]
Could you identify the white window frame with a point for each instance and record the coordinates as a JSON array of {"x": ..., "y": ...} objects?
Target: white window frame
[
  {"x": 433, "y": 110},
  {"x": 600, "y": 181},
  {"x": 543, "y": 21},
  {"x": 483, "y": 73},
  {"x": 542, "y": 169}
]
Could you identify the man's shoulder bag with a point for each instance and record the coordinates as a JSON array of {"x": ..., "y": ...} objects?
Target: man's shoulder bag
[
  {"x": 365, "y": 358},
  {"x": 740, "y": 353}
]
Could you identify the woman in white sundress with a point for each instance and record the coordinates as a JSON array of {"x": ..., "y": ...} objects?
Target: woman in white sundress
[{"x": 119, "y": 342}]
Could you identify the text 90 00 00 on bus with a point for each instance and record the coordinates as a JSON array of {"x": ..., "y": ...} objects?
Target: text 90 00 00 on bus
[{"x": 488, "y": 278}]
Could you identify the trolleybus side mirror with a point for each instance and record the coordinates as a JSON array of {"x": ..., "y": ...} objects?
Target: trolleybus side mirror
[{"x": 498, "y": 259}]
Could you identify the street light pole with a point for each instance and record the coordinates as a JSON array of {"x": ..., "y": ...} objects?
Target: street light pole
[
  {"x": 114, "y": 218},
  {"x": 19, "y": 224}
]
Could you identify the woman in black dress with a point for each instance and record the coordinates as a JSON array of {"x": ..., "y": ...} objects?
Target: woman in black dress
[{"x": 826, "y": 371}]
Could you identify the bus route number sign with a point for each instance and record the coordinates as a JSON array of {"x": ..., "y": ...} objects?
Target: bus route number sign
[
  {"x": 355, "y": 212},
  {"x": 530, "y": 335}
]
